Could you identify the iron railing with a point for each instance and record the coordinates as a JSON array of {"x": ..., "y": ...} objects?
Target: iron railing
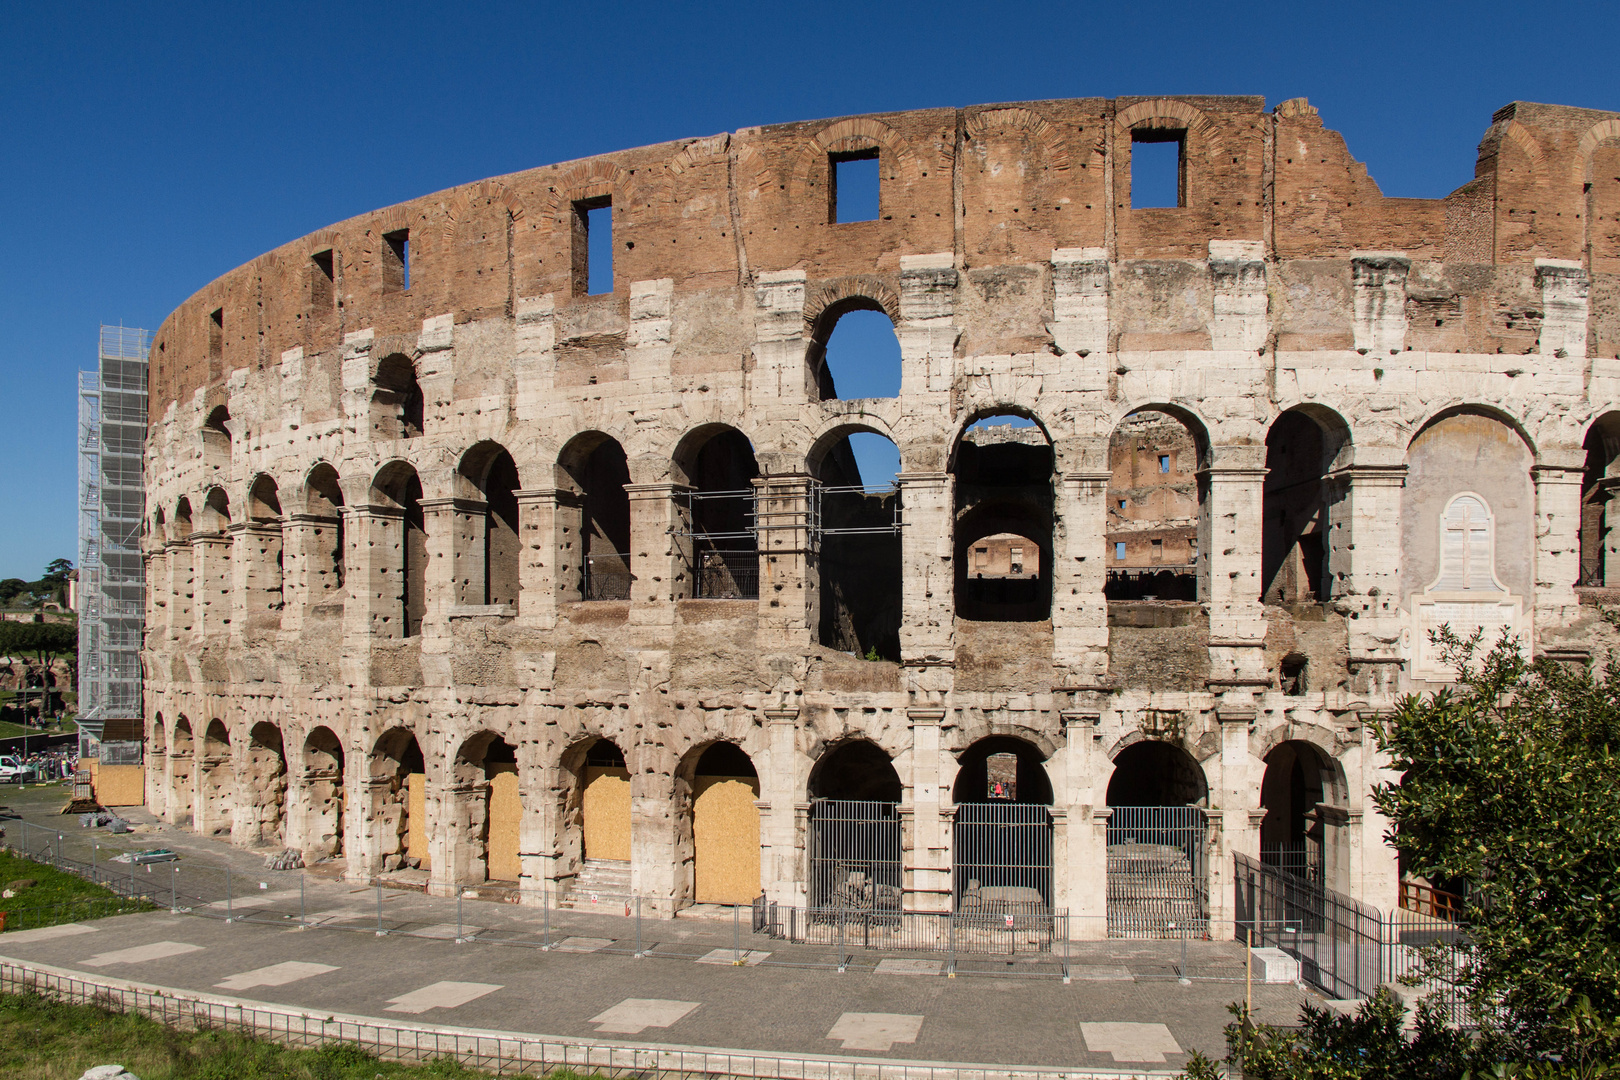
[
  {"x": 855, "y": 860},
  {"x": 1158, "y": 876},
  {"x": 1002, "y": 859},
  {"x": 726, "y": 575},
  {"x": 606, "y": 577},
  {"x": 1339, "y": 941}
]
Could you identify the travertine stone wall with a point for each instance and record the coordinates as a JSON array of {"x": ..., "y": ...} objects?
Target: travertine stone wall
[{"x": 317, "y": 572}]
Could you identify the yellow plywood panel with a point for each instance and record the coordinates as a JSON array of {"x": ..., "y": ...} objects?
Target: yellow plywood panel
[
  {"x": 119, "y": 785},
  {"x": 725, "y": 835},
  {"x": 505, "y": 818},
  {"x": 416, "y": 837},
  {"x": 607, "y": 813}
]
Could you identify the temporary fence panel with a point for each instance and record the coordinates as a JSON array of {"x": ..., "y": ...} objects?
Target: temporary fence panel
[
  {"x": 855, "y": 861},
  {"x": 1001, "y": 859},
  {"x": 1158, "y": 874}
]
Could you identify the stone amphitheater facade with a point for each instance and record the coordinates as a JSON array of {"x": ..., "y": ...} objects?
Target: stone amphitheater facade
[{"x": 452, "y": 563}]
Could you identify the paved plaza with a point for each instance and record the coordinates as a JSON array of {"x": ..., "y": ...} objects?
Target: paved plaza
[{"x": 311, "y": 943}]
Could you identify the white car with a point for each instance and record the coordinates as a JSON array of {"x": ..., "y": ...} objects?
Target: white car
[{"x": 13, "y": 771}]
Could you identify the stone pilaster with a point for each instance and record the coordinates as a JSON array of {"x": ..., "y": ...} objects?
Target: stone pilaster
[
  {"x": 1558, "y": 537},
  {"x": 789, "y": 592},
  {"x": 782, "y": 855},
  {"x": 1229, "y": 560},
  {"x": 1079, "y": 326},
  {"x": 1564, "y": 307},
  {"x": 1082, "y": 873},
  {"x": 928, "y": 619},
  {"x": 1079, "y": 573},
  {"x": 780, "y": 373},
  {"x": 1236, "y": 796},
  {"x": 1365, "y": 553},
  {"x": 211, "y": 554},
  {"x": 549, "y": 573},
  {"x": 1378, "y": 301},
  {"x": 927, "y": 328},
  {"x": 182, "y": 589},
  {"x": 1237, "y": 270},
  {"x": 927, "y": 855},
  {"x": 661, "y": 557}
]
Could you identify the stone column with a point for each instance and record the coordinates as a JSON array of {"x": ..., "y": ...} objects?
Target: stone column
[
  {"x": 376, "y": 574},
  {"x": 1079, "y": 572},
  {"x": 179, "y": 763},
  {"x": 1611, "y": 531},
  {"x": 1365, "y": 553},
  {"x": 927, "y": 876},
  {"x": 453, "y": 526},
  {"x": 308, "y": 576},
  {"x": 1375, "y": 875},
  {"x": 782, "y": 858},
  {"x": 1558, "y": 537},
  {"x": 1229, "y": 558},
  {"x": 260, "y": 584},
  {"x": 789, "y": 592}
]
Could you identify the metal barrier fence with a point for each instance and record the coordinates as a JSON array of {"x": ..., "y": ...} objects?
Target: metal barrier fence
[
  {"x": 1004, "y": 933},
  {"x": 855, "y": 860},
  {"x": 1002, "y": 861},
  {"x": 504, "y": 1053},
  {"x": 1158, "y": 875}
]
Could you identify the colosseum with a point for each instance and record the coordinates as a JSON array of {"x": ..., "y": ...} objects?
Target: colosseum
[{"x": 511, "y": 537}]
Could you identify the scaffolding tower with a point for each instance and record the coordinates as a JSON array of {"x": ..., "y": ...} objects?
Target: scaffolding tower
[{"x": 112, "y": 585}]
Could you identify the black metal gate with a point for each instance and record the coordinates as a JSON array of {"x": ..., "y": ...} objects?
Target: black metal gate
[
  {"x": 855, "y": 862},
  {"x": 1158, "y": 878},
  {"x": 1002, "y": 859}
]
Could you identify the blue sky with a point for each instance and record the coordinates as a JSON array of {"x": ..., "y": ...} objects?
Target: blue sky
[{"x": 150, "y": 148}]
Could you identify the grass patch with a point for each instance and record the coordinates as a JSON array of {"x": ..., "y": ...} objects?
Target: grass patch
[
  {"x": 56, "y": 896},
  {"x": 41, "y": 1039},
  {"x": 8, "y": 730}
]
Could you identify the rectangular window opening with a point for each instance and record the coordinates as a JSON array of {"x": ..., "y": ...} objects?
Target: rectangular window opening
[
  {"x": 593, "y": 246},
  {"x": 1164, "y": 463},
  {"x": 1119, "y": 551},
  {"x": 1158, "y": 168},
  {"x": 216, "y": 332},
  {"x": 322, "y": 274},
  {"x": 396, "y": 261},
  {"x": 853, "y": 182}
]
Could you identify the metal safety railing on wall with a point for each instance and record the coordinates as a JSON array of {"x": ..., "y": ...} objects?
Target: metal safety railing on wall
[
  {"x": 855, "y": 855},
  {"x": 1002, "y": 859},
  {"x": 1005, "y": 932},
  {"x": 606, "y": 577}
]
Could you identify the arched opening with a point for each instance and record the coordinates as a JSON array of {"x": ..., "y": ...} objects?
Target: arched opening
[
  {"x": 854, "y": 830},
  {"x": 265, "y": 595},
  {"x": 718, "y": 465},
  {"x": 323, "y": 540},
  {"x": 182, "y": 803},
  {"x": 859, "y": 559},
  {"x": 218, "y": 803},
  {"x": 1468, "y": 534},
  {"x": 1001, "y": 858},
  {"x": 1304, "y": 830},
  {"x": 401, "y": 544},
  {"x": 157, "y": 753},
  {"x": 398, "y": 789},
  {"x": 486, "y": 785},
  {"x": 325, "y": 796},
  {"x": 723, "y": 844},
  {"x": 265, "y": 786},
  {"x": 1600, "y": 504},
  {"x": 1158, "y": 871},
  {"x": 1300, "y": 452},
  {"x": 487, "y": 549},
  {"x": 1003, "y": 466},
  {"x": 1155, "y": 500},
  {"x": 216, "y": 439},
  {"x": 594, "y": 526},
  {"x": 854, "y": 352},
  {"x": 181, "y": 529},
  {"x": 396, "y": 399},
  {"x": 594, "y": 838}
]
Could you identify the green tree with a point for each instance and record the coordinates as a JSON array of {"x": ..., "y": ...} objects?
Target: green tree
[
  {"x": 57, "y": 571},
  {"x": 11, "y": 588},
  {"x": 1510, "y": 783},
  {"x": 39, "y": 641}
]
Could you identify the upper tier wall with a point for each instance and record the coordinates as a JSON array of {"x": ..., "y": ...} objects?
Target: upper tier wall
[{"x": 995, "y": 184}]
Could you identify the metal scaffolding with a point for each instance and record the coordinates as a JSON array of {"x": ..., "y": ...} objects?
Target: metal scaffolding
[{"x": 112, "y": 586}]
